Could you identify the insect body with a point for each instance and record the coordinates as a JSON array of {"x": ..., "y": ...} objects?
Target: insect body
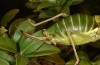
[
  {"x": 81, "y": 28},
  {"x": 72, "y": 30}
]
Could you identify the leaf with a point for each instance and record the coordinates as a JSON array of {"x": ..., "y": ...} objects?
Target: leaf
[
  {"x": 14, "y": 25},
  {"x": 96, "y": 63},
  {"x": 55, "y": 58},
  {"x": 8, "y": 44},
  {"x": 35, "y": 61},
  {"x": 82, "y": 62},
  {"x": 29, "y": 46},
  {"x": 43, "y": 15},
  {"x": 6, "y": 57},
  {"x": 74, "y": 2},
  {"x": 20, "y": 60},
  {"x": 44, "y": 5},
  {"x": 51, "y": 1},
  {"x": 34, "y": 0},
  {"x": 83, "y": 55},
  {"x": 3, "y": 62},
  {"x": 33, "y": 48},
  {"x": 25, "y": 26},
  {"x": 9, "y": 16},
  {"x": 44, "y": 49},
  {"x": 47, "y": 13},
  {"x": 84, "y": 59},
  {"x": 65, "y": 9},
  {"x": 32, "y": 5}
]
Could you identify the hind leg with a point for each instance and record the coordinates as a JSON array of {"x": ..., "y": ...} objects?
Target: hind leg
[
  {"x": 72, "y": 43},
  {"x": 59, "y": 15}
]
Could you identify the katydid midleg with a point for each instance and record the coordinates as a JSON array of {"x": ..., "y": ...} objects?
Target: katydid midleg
[{"x": 72, "y": 30}]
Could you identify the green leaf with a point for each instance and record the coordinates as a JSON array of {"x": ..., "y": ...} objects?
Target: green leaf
[
  {"x": 74, "y": 2},
  {"x": 65, "y": 9},
  {"x": 32, "y": 5},
  {"x": 6, "y": 57},
  {"x": 82, "y": 62},
  {"x": 96, "y": 62},
  {"x": 47, "y": 13},
  {"x": 41, "y": 50},
  {"x": 43, "y": 15},
  {"x": 3, "y": 62},
  {"x": 35, "y": 61},
  {"x": 29, "y": 46},
  {"x": 33, "y": 48},
  {"x": 14, "y": 25},
  {"x": 8, "y": 44},
  {"x": 25, "y": 26},
  {"x": 51, "y": 1},
  {"x": 55, "y": 58},
  {"x": 44, "y": 5},
  {"x": 84, "y": 59},
  {"x": 21, "y": 60},
  {"x": 9, "y": 16},
  {"x": 34, "y": 0}
]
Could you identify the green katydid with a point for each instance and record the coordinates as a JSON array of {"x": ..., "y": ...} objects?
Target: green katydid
[{"x": 72, "y": 30}]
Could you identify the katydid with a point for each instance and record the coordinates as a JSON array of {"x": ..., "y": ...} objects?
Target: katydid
[{"x": 72, "y": 30}]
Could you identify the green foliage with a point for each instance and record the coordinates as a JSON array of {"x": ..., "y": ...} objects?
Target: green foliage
[
  {"x": 8, "y": 16},
  {"x": 25, "y": 26},
  {"x": 14, "y": 25},
  {"x": 7, "y": 57},
  {"x": 49, "y": 8},
  {"x": 3, "y": 62},
  {"x": 19, "y": 45},
  {"x": 84, "y": 60},
  {"x": 29, "y": 47},
  {"x": 20, "y": 60},
  {"x": 16, "y": 49},
  {"x": 8, "y": 44},
  {"x": 55, "y": 58}
]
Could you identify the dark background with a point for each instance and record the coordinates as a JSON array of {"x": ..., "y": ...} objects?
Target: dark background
[{"x": 88, "y": 6}]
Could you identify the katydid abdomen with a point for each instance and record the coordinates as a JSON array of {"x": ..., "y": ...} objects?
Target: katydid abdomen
[{"x": 82, "y": 29}]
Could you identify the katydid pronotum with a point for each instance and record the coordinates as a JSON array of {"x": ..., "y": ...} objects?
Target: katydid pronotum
[{"x": 72, "y": 30}]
